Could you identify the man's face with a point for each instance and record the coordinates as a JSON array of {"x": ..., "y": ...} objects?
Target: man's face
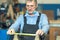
[{"x": 30, "y": 6}]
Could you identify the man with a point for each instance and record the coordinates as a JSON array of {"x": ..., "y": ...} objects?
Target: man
[{"x": 32, "y": 22}]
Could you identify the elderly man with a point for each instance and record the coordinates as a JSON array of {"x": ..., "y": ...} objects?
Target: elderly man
[{"x": 31, "y": 22}]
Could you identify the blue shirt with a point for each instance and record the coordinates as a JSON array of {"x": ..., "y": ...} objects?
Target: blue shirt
[{"x": 31, "y": 20}]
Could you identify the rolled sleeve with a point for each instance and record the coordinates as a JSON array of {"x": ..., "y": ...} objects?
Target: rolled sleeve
[
  {"x": 17, "y": 24},
  {"x": 44, "y": 23}
]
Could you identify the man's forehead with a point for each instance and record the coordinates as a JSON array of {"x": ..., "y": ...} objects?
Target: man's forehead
[{"x": 30, "y": 2}]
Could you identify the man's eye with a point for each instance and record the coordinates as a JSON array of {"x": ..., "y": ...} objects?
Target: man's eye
[
  {"x": 32, "y": 5},
  {"x": 27, "y": 5}
]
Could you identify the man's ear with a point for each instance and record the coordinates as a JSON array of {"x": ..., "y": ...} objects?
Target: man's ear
[{"x": 36, "y": 7}]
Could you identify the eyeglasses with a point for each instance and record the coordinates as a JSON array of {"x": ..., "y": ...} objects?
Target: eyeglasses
[{"x": 30, "y": 5}]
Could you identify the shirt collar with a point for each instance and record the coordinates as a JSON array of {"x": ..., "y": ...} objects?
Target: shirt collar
[{"x": 35, "y": 14}]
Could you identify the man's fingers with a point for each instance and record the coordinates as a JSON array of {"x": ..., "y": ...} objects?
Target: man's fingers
[
  {"x": 39, "y": 32},
  {"x": 42, "y": 33},
  {"x": 10, "y": 31}
]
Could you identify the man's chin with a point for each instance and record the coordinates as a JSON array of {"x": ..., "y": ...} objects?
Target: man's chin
[{"x": 30, "y": 12}]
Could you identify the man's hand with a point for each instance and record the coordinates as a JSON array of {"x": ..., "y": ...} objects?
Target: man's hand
[
  {"x": 10, "y": 31},
  {"x": 40, "y": 32}
]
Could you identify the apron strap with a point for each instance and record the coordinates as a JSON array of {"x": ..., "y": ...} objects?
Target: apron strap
[
  {"x": 38, "y": 19},
  {"x": 25, "y": 19}
]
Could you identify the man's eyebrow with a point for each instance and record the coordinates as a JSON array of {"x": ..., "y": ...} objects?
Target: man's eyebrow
[{"x": 30, "y": 5}]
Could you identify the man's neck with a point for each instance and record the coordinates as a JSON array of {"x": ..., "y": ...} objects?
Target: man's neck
[{"x": 31, "y": 14}]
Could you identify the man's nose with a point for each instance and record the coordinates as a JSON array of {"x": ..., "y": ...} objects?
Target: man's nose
[{"x": 29, "y": 8}]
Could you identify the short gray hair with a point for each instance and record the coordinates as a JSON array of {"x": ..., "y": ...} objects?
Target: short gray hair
[{"x": 34, "y": 1}]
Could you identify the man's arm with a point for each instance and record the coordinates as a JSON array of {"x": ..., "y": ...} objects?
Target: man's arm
[
  {"x": 14, "y": 27},
  {"x": 43, "y": 25}
]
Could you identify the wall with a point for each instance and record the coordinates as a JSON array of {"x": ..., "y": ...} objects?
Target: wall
[
  {"x": 52, "y": 7},
  {"x": 44, "y": 1}
]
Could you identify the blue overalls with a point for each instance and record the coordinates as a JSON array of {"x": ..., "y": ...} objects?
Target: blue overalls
[{"x": 31, "y": 29}]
